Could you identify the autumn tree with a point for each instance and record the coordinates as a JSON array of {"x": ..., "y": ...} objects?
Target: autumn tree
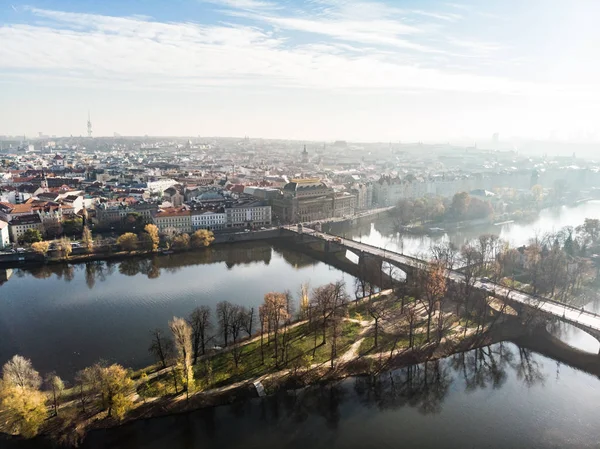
[
  {"x": 153, "y": 236},
  {"x": 275, "y": 310},
  {"x": 181, "y": 242},
  {"x": 24, "y": 409},
  {"x": 460, "y": 205},
  {"x": 533, "y": 263},
  {"x": 304, "y": 300},
  {"x": 128, "y": 241},
  {"x": 201, "y": 324},
  {"x": 40, "y": 248},
  {"x": 182, "y": 337},
  {"x": 64, "y": 247},
  {"x": 55, "y": 386},
  {"x": 161, "y": 347},
  {"x": 116, "y": 388},
  {"x": 590, "y": 231},
  {"x": 24, "y": 405},
  {"x": 86, "y": 238},
  {"x": 202, "y": 238},
  {"x": 433, "y": 285}
]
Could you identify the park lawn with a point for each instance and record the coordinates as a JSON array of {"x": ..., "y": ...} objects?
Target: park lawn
[
  {"x": 386, "y": 343},
  {"x": 359, "y": 311},
  {"x": 301, "y": 342}
]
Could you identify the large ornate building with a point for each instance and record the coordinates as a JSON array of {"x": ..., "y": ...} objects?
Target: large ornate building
[{"x": 311, "y": 199}]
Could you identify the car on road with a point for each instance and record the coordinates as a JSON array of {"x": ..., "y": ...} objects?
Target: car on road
[{"x": 484, "y": 280}]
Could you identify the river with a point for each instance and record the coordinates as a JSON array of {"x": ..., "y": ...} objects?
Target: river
[
  {"x": 496, "y": 397},
  {"x": 66, "y": 317},
  {"x": 381, "y": 233}
]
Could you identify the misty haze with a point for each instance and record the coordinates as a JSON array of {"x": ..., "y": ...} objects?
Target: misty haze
[{"x": 299, "y": 224}]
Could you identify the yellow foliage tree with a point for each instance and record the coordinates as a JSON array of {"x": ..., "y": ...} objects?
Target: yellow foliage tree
[
  {"x": 181, "y": 241},
  {"x": 40, "y": 248},
  {"x": 152, "y": 231},
  {"x": 86, "y": 238},
  {"x": 115, "y": 386},
  {"x": 202, "y": 238},
  {"x": 128, "y": 241},
  {"x": 25, "y": 409},
  {"x": 64, "y": 247}
]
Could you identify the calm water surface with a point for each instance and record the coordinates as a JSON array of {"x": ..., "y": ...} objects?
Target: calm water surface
[
  {"x": 66, "y": 317},
  {"x": 381, "y": 234},
  {"x": 496, "y": 397}
]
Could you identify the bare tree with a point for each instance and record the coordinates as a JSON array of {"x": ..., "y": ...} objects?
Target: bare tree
[
  {"x": 445, "y": 253},
  {"x": 86, "y": 382},
  {"x": 161, "y": 347},
  {"x": 378, "y": 311},
  {"x": 238, "y": 317},
  {"x": 224, "y": 316},
  {"x": 19, "y": 372},
  {"x": 330, "y": 302},
  {"x": 201, "y": 325},
  {"x": 275, "y": 310},
  {"x": 262, "y": 318},
  {"x": 248, "y": 320},
  {"x": 182, "y": 336}
]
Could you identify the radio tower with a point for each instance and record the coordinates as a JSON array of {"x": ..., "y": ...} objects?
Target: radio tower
[{"x": 89, "y": 125}]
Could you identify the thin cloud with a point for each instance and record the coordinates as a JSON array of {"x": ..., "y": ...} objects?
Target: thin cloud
[
  {"x": 118, "y": 51},
  {"x": 250, "y": 5}
]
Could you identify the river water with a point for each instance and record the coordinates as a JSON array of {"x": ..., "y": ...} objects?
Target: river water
[
  {"x": 66, "y": 317},
  {"x": 381, "y": 233},
  {"x": 497, "y": 397}
]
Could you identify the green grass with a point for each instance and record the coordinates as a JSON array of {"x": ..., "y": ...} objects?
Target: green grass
[
  {"x": 301, "y": 342},
  {"x": 386, "y": 343}
]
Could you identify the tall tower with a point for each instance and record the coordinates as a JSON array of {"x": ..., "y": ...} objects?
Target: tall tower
[{"x": 89, "y": 125}]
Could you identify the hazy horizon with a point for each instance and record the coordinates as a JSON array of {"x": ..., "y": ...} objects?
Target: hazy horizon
[{"x": 319, "y": 70}]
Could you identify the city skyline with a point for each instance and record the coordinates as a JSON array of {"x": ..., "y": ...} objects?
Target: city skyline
[{"x": 318, "y": 70}]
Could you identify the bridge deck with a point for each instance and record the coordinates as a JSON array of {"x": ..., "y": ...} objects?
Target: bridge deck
[{"x": 585, "y": 320}]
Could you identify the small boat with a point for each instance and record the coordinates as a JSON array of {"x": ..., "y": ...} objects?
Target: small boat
[{"x": 168, "y": 251}]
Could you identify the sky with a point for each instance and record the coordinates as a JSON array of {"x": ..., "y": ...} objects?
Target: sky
[{"x": 310, "y": 70}]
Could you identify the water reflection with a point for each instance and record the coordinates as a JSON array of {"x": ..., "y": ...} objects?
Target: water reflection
[
  {"x": 512, "y": 400},
  {"x": 105, "y": 309},
  {"x": 423, "y": 387},
  {"x": 382, "y": 232}
]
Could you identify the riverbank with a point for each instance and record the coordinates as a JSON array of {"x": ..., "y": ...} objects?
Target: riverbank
[
  {"x": 357, "y": 356},
  {"x": 113, "y": 253}
]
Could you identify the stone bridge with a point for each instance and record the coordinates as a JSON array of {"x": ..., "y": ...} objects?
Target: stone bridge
[{"x": 373, "y": 257}]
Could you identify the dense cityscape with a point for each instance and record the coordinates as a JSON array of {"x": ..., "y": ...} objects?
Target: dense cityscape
[
  {"x": 324, "y": 224},
  {"x": 182, "y": 185}
]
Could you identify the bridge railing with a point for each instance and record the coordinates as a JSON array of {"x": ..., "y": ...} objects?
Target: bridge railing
[{"x": 461, "y": 275}]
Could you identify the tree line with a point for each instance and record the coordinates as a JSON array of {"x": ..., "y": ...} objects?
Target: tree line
[{"x": 462, "y": 206}]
